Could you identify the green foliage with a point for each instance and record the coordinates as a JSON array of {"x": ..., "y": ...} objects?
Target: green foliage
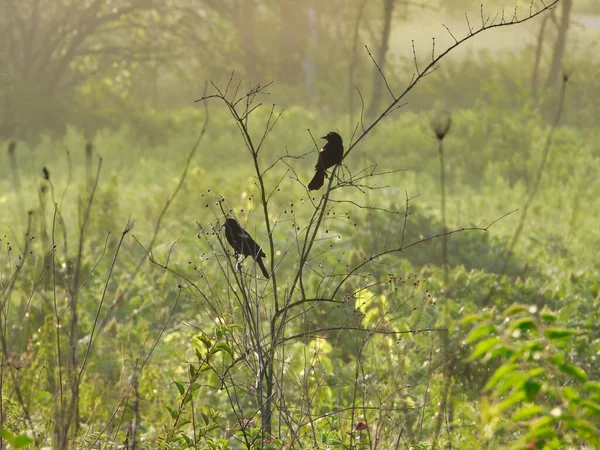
[
  {"x": 539, "y": 396},
  {"x": 404, "y": 352}
]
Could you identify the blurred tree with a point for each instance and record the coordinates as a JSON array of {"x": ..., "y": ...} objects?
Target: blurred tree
[
  {"x": 388, "y": 10},
  {"x": 49, "y": 48},
  {"x": 561, "y": 42}
]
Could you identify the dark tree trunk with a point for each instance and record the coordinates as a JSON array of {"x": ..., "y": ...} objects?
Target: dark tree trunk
[
  {"x": 388, "y": 9},
  {"x": 561, "y": 42}
]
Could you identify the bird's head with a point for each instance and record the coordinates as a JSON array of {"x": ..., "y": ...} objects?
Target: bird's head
[
  {"x": 230, "y": 223},
  {"x": 333, "y": 137}
]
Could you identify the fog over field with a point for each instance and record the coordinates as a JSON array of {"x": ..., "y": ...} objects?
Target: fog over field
[{"x": 277, "y": 224}]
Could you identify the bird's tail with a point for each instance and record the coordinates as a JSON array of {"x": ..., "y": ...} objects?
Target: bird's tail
[
  {"x": 318, "y": 179},
  {"x": 261, "y": 264}
]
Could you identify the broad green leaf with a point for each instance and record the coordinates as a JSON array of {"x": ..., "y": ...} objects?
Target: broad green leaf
[
  {"x": 574, "y": 371},
  {"x": 542, "y": 432},
  {"x": 222, "y": 347},
  {"x": 537, "y": 372},
  {"x": 512, "y": 381},
  {"x": 500, "y": 373},
  {"x": 558, "y": 359},
  {"x": 180, "y": 387},
  {"x": 183, "y": 423},
  {"x": 483, "y": 347},
  {"x": 532, "y": 387},
  {"x": 593, "y": 406},
  {"x": 479, "y": 332},
  {"x": 205, "y": 418},
  {"x": 174, "y": 413},
  {"x": 558, "y": 333},
  {"x": 22, "y": 441},
  {"x": 570, "y": 393},
  {"x": 548, "y": 315},
  {"x": 524, "y": 324},
  {"x": 10, "y": 437},
  {"x": 584, "y": 425},
  {"x": 514, "y": 309},
  {"x": 43, "y": 396},
  {"x": 472, "y": 318},
  {"x": 205, "y": 340},
  {"x": 527, "y": 412},
  {"x": 592, "y": 386},
  {"x": 511, "y": 401},
  {"x": 501, "y": 351}
]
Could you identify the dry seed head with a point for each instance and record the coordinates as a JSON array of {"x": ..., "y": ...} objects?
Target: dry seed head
[{"x": 440, "y": 125}]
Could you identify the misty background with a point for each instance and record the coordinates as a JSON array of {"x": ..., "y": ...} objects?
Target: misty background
[{"x": 111, "y": 225}]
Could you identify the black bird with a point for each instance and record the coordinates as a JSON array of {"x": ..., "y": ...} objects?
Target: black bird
[
  {"x": 243, "y": 244},
  {"x": 330, "y": 155}
]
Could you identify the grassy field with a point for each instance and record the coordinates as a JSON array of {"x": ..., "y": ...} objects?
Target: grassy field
[{"x": 124, "y": 314}]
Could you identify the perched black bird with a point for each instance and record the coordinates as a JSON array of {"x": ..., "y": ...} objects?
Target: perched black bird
[
  {"x": 330, "y": 155},
  {"x": 243, "y": 244}
]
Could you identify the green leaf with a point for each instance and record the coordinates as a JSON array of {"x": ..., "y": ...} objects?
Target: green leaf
[
  {"x": 570, "y": 393},
  {"x": 574, "y": 371},
  {"x": 472, "y": 318},
  {"x": 527, "y": 412},
  {"x": 548, "y": 315},
  {"x": 499, "y": 374},
  {"x": 43, "y": 396},
  {"x": 192, "y": 370},
  {"x": 511, "y": 401},
  {"x": 174, "y": 413},
  {"x": 542, "y": 432},
  {"x": 183, "y": 423},
  {"x": 593, "y": 406},
  {"x": 558, "y": 333},
  {"x": 524, "y": 324},
  {"x": 592, "y": 386},
  {"x": 22, "y": 441},
  {"x": 514, "y": 309},
  {"x": 537, "y": 372},
  {"x": 532, "y": 387},
  {"x": 542, "y": 422},
  {"x": 483, "y": 347},
  {"x": 479, "y": 332},
  {"x": 222, "y": 347},
  {"x": 583, "y": 425},
  {"x": 558, "y": 359},
  {"x": 180, "y": 387},
  {"x": 205, "y": 418},
  {"x": 205, "y": 340},
  {"x": 10, "y": 438}
]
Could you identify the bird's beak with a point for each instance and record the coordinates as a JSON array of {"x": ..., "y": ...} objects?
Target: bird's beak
[{"x": 323, "y": 137}]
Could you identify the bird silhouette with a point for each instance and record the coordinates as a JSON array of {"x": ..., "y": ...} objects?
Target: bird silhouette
[
  {"x": 330, "y": 155},
  {"x": 243, "y": 244}
]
